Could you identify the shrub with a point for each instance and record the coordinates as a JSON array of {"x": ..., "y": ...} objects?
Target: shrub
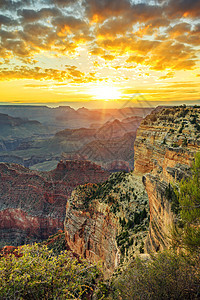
[
  {"x": 175, "y": 145},
  {"x": 142, "y": 247},
  {"x": 171, "y": 196},
  {"x": 164, "y": 276},
  {"x": 184, "y": 143},
  {"x": 39, "y": 274},
  {"x": 188, "y": 196},
  {"x": 181, "y": 128}
]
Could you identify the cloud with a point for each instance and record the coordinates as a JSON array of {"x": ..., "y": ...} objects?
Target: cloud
[
  {"x": 108, "y": 57},
  {"x": 30, "y": 15},
  {"x": 135, "y": 58},
  {"x": 12, "y": 5},
  {"x": 179, "y": 29},
  {"x": 70, "y": 74},
  {"x": 183, "y": 8},
  {"x": 125, "y": 45},
  {"x": 98, "y": 10},
  {"x": 63, "y": 3},
  {"x": 7, "y": 21},
  {"x": 167, "y": 75},
  {"x": 68, "y": 24},
  {"x": 174, "y": 56},
  {"x": 72, "y": 71},
  {"x": 155, "y": 35}
]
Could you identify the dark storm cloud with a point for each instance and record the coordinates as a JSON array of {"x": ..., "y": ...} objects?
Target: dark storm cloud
[
  {"x": 103, "y": 9},
  {"x": 7, "y": 21},
  {"x": 63, "y": 3},
  {"x": 186, "y": 8},
  {"x": 70, "y": 22},
  {"x": 12, "y": 5},
  {"x": 30, "y": 15},
  {"x": 36, "y": 29}
]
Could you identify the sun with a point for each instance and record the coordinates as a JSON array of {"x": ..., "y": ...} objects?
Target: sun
[{"x": 105, "y": 92}]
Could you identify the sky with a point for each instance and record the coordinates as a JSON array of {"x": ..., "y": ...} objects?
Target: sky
[{"x": 100, "y": 52}]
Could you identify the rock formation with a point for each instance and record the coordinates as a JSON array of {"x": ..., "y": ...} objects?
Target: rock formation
[
  {"x": 164, "y": 150},
  {"x": 32, "y": 204},
  {"x": 107, "y": 221}
]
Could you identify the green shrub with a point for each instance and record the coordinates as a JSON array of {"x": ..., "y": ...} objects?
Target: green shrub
[
  {"x": 184, "y": 143},
  {"x": 188, "y": 196},
  {"x": 175, "y": 145},
  {"x": 172, "y": 197},
  {"x": 181, "y": 128},
  {"x": 40, "y": 274},
  {"x": 164, "y": 276},
  {"x": 141, "y": 249}
]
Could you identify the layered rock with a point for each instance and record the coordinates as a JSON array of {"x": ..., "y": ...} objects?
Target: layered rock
[
  {"x": 108, "y": 221},
  {"x": 33, "y": 204},
  {"x": 164, "y": 150}
]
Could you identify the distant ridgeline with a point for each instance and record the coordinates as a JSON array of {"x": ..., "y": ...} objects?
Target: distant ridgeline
[{"x": 104, "y": 137}]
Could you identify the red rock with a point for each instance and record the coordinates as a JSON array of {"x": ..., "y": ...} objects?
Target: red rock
[{"x": 33, "y": 204}]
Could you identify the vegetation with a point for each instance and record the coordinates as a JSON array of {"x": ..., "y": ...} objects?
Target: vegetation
[
  {"x": 172, "y": 197},
  {"x": 56, "y": 242},
  {"x": 37, "y": 273},
  {"x": 188, "y": 195},
  {"x": 45, "y": 272},
  {"x": 185, "y": 142},
  {"x": 166, "y": 275},
  {"x": 171, "y": 274}
]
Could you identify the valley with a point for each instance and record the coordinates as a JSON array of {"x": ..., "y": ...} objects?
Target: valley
[{"x": 52, "y": 134}]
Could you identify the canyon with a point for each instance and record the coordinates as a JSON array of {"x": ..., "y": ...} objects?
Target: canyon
[
  {"x": 106, "y": 217},
  {"x": 32, "y": 205},
  {"x": 102, "y": 222},
  {"x": 40, "y": 146}
]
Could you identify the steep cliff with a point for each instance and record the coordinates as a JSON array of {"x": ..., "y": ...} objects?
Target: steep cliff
[
  {"x": 108, "y": 221},
  {"x": 33, "y": 204},
  {"x": 164, "y": 150}
]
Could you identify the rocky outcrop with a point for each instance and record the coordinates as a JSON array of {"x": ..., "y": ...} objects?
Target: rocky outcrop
[
  {"x": 107, "y": 222},
  {"x": 164, "y": 150},
  {"x": 33, "y": 204},
  {"x": 111, "y": 150}
]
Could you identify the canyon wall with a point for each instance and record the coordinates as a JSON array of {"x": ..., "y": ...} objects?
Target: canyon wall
[
  {"x": 33, "y": 204},
  {"x": 108, "y": 222},
  {"x": 164, "y": 151}
]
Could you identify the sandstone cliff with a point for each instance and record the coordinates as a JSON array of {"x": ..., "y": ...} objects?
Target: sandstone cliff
[
  {"x": 164, "y": 150},
  {"x": 108, "y": 221},
  {"x": 32, "y": 204}
]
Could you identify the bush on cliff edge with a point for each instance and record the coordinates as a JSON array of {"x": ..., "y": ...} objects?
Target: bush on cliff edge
[
  {"x": 37, "y": 273},
  {"x": 187, "y": 234},
  {"x": 166, "y": 275}
]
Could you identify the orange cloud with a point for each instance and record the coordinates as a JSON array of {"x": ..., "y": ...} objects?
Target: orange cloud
[
  {"x": 154, "y": 35},
  {"x": 70, "y": 74}
]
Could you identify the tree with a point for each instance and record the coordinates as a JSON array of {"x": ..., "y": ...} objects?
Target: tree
[{"x": 188, "y": 195}]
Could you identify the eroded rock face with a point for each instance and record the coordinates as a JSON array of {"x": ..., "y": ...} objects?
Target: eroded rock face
[
  {"x": 33, "y": 204},
  {"x": 164, "y": 150},
  {"x": 108, "y": 221},
  {"x": 91, "y": 234}
]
